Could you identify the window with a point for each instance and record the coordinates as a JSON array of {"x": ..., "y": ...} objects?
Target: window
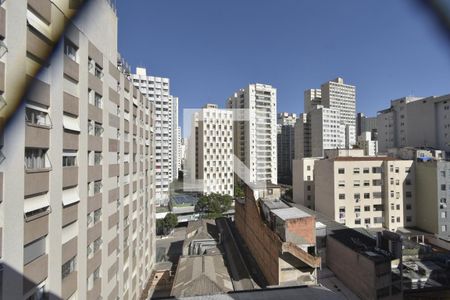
[
  {"x": 308, "y": 187},
  {"x": 443, "y": 214},
  {"x": 355, "y": 170},
  {"x": 94, "y": 247},
  {"x": 37, "y": 116},
  {"x": 71, "y": 50},
  {"x": 341, "y": 196},
  {"x": 366, "y": 182},
  {"x": 69, "y": 267},
  {"x": 367, "y": 208},
  {"x": 357, "y": 196},
  {"x": 356, "y": 183},
  {"x": 341, "y": 183},
  {"x": 444, "y": 228},
  {"x": 357, "y": 221},
  {"x": 69, "y": 158},
  {"x": 36, "y": 158},
  {"x": 98, "y": 186},
  {"x": 34, "y": 250},
  {"x": 94, "y": 217},
  {"x": 398, "y": 219},
  {"x": 366, "y": 170},
  {"x": 408, "y": 206},
  {"x": 442, "y": 173},
  {"x": 308, "y": 168},
  {"x": 341, "y": 171},
  {"x": 407, "y": 181},
  {"x": 408, "y": 194},
  {"x": 392, "y": 219},
  {"x": 367, "y": 221},
  {"x": 366, "y": 195},
  {"x": 408, "y": 219},
  {"x": 98, "y": 72},
  {"x": 97, "y": 158},
  {"x": 443, "y": 187}
]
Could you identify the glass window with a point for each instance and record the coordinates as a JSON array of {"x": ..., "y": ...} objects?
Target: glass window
[
  {"x": 70, "y": 50},
  {"x": 35, "y": 158},
  {"x": 341, "y": 196},
  {"x": 69, "y": 158},
  {"x": 341, "y": 171},
  {"x": 69, "y": 267},
  {"x": 37, "y": 116}
]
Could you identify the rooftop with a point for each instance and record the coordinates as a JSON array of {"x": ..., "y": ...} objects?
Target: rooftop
[
  {"x": 361, "y": 243},
  {"x": 365, "y": 158},
  {"x": 183, "y": 200},
  {"x": 274, "y": 204},
  {"x": 201, "y": 275},
  {"x": 290, "y": 213}
]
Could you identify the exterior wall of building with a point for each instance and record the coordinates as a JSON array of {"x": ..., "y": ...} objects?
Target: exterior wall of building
[
  {"x": 362, "y": 192},
  {"x": 415, "y": 122},
  {"x": 214, "y": 159},
  {"x": 255, "y": 142},
  {"x": 157, "y": 90},
  {"x": 303, "y": 182},
  {"x": 285, "y": 146},
  {"x": 433, "y": 194},
  {"x": 342, "y": 97},
  {"x": 329, "y": 120},
  {"x": 79, "y": 218},
  {"x": 355, "y": 270}
]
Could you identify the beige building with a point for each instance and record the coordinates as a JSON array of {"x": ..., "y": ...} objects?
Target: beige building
[
  {"x": 358, "y": 190},
  {"x": 303, "y": 181},
  {"x": 211, "y": 158},
  {"x": 415, "y": 122},
  {"x": 77, "y": 219},
  {"x": 433, "y": 197}
]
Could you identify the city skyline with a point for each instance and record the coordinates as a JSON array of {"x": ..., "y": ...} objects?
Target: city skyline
[{"x": 386, "y": 59}]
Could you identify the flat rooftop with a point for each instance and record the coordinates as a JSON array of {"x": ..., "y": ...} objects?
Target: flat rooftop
[
  {"x": 290, "y": 213},
  {"x": 183, "y": 200},
  {"x": 365, "y": 158},
  {"x": 360, "y": 243},
  {"x": 274, "y": 204}
]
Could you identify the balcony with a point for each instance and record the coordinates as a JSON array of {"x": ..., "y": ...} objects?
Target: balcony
[
  {"x": 35, "y": 272},
  {"x": 70, "y": 176}
]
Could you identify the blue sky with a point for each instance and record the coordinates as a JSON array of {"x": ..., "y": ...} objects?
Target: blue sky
[{"x": 209, "y": 49}]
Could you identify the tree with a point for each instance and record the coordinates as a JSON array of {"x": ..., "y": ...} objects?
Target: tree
[
  {"x": 213, "y": 205},
  {"x": 238, "y": 191},
  {"x": 164, "y": 226}
]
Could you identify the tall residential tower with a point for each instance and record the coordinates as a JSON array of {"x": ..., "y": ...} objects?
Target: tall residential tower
[
  {"x": 77, "y": 220},
  {"x": 255, "y": 132},
  {"x": 157, "y": 90}
]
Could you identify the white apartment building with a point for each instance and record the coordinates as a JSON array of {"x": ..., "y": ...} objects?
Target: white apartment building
[
  {"x": 329, "y": 121},
  {"x": 77, "y": 214},
  {"x": 358, "y": 190},
  {"x": 255, "y": 139},
  {"x": 211, "y": 165},
  {"x": 415, "y": 122},
  {"x": 366, "y": 143},
  {"x": 157, "y": 90}
]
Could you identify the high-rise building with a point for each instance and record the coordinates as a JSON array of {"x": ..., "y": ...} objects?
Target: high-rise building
[
  {"x": 211, "y": 159},
  {"x": 329, "y": 120},
  {"x": 78, "y": 218},
  {"x": 255, "y": 133},
  {"x": 285, "y": 146},
  {"x": 358, "y": 190},
  {"x": 366, "y": 124},
  {"x": 415, "y": 122},
  {"x": 366, "y": 143},
  {"x": 157, "y": 89}
]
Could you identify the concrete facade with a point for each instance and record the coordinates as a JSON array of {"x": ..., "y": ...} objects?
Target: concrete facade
[
  {"x": 280, "y": 259},
  {"x": 211, "y": 159},
  {"x": 79, "y": 216},
  {"x": 329, "y": 121},
  {"x": 433, "y": 197},
  {"x": 157, "y": 90},
  {"x": 415, "y": 122},
  {"x": 358, "y": 190},
  {"x": 285, "y": 146},
  {"x": 255, "y": 139}
]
